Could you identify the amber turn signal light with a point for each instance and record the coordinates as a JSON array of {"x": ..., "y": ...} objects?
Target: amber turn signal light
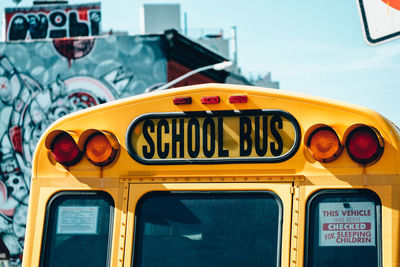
[
  {"x": 324, "y": 145},
  {"x": 99, "y": 149}
]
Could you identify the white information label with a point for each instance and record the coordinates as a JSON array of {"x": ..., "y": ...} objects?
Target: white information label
[
  {"x": 347, "y": 224},
  {"x": 77, "y": 220}
]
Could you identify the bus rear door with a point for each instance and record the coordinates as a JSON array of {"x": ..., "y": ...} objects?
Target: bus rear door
[{"x": 221, "y": 222}]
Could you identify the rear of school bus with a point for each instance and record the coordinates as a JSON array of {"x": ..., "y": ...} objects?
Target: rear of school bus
[{"x": 216, "y": 175}]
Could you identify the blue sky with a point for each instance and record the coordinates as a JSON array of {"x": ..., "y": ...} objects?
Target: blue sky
[{"x": 314, "y": 46}]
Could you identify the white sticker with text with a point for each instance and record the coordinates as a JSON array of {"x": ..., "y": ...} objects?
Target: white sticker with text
[
  {"x": 347, "y": 224},
  {"x": 77, "y": 220}
]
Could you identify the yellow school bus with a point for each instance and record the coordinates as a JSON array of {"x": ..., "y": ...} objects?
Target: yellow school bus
[{"x": 216, "y": 175}]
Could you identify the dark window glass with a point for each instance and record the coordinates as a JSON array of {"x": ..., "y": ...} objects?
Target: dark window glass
[
  {"x": 344, "y": 229},
  {"x": 208, "y": 229},
  {"x": 78, "y": 230}
]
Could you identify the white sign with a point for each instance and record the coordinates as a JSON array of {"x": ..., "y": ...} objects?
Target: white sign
[
  {"x": 347, "y": 224},
  {"x": 77, "y": 220},
  {"x": 380, "y": 20}
]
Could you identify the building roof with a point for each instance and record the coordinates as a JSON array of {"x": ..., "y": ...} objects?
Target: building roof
[{"x": 192, "y": 55}]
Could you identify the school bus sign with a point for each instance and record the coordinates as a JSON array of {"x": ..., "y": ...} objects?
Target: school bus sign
[
  {"x": 380, "y": 20},
  {"x": 213, "y": 137}
]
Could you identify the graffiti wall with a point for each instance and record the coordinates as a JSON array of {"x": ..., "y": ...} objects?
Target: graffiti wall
[
  {"x": 52, "y": 21},
  {"x": 44, "y": 80}
]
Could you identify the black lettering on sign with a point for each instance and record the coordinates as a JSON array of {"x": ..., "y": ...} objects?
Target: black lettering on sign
[
  {"x": 221, "y": 151},
  {"x": 276, "y": 148},
  {"x": 261, "y": 146},
  {"x": 208, "y": 147},
  {"x": 148, "y": 151},
  {"x": 247, "y": 136},
  {"x": 178, "y": 138},
  {"x": 162, "y": 153},
  {"x": 193, "y": 152}
]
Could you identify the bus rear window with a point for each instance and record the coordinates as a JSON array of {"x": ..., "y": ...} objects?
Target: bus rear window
[
  {"x": 78, "y": 229},
  {"x": 208, "y": 229},
  {"x": 344, "y": 229}
]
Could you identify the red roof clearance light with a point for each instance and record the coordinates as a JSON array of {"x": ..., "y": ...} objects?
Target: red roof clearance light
[
  {"x": 182, "y": 100},
  {"x": 65, "y": 150},
  {"x": 210, "y": 100},
  {"x": 363, "y": 145},
  {"x": 238, "y": 99}
]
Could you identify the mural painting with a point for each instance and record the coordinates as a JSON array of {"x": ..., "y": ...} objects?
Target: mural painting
[{"x": 44, "y": 80}]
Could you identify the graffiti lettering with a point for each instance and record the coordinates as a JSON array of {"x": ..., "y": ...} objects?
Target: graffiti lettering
[{"x": 55, "y": 24}]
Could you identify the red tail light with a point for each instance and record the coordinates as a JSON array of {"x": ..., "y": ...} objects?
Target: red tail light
[
  {"x": 210, "y": 100},
  {"x": 182, "y": 100},
  {"x": 363, "y": 145},
  {"x": 65, "y": 150},
  {"x": 238, "y": 99}
]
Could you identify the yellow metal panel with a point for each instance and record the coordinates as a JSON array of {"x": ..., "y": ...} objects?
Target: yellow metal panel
[
  {"x": 121, "y": 236},
  {"x": 294, "y": 239}
]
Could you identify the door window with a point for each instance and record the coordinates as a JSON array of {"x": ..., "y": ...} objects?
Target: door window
[
  {"x": 78, "y": 229},
  {"x": 208, "y": 229},
  {"x": 344, "y": 228}
]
